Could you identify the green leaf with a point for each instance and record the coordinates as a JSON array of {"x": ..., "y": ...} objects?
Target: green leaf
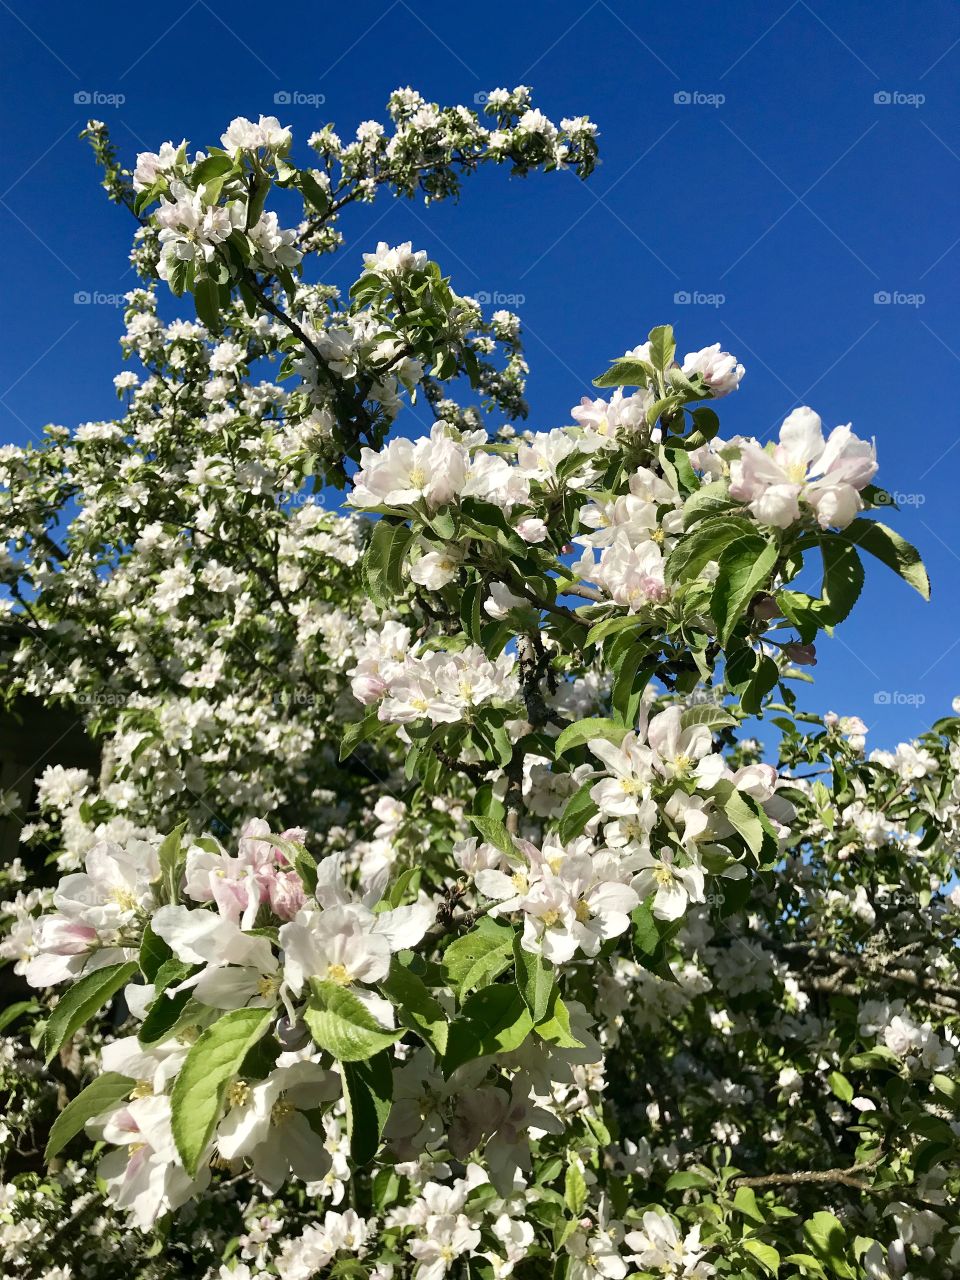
[
  {"x": 575, "y": 1188},
  {"x": 609, "y": 626},
  {"x": 577, "y": 812},
  {"x": 807, "y": 1261},
  {"x": 893, "y": 550},
  {"x": 169, "y": 1014},
  {"x": 634, "y": 670},
  {"x": 575, "y": 735},
  {"x": 706, "y": 426},
  {"x": 843, "y": 578},
  {"x": 217, "y": 166},
  {"x": 877, "y": 1057},
  {"x": 684, "y": 1179},
  {"x": 704, "y": 543},
  {"x": 650, "y": 938},
  {"x": 662, "y": 347},
  {"x": 745, "y": 1201},
  {"x": 535, "y": 980},
  {"x": 101, "y": 1095},
  {"x": 745, "y": 567},
  {"x": 825, "y": 1235},
  {"x": 154, "y": 953},
  {"x": 740, "y": 812},
  {"x": 415, "y": 1007},
  {"x": 485, "y": 520},
  {"x": 664, "y": 407},
  {"x": 368, "y": 1093},
  {"x": 408, "y": 882},
  {"x": 840, "y": 1086},
  {"x": 16, "y": 1010},
  {"x": 765, "y": 677},
  {"x": 493, "y": 831},
  {"x": 80, "y": 1002},
  {"x": 470, "y": 610},
  {"x": 709, "y": 500},
  {"x": 479, "y": 956},
  {"x": 172, "y": 860},
  {"x": 257, "y": 201},
  {"x": 314, "y": 193},
  {"x": 948, "y": 1089},
  {"x": 198, "y": 1092},
  {"x": 493, "y": 1020},
  {"x": 359, "y": 731},
  {"x": 555, "y": 1027},
  {"x": 342, "y": 1025},
  {"x": 625, "y": 373},
  {"x": 765, "y": 1254},
  {"x": 206, "y": 297},
  {"x": 711, "y": 716},
  {"x": 383, "y": 562}
]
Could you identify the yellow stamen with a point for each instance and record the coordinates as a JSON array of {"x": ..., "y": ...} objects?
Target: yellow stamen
[
  {"x": 280, "y": 1110},
  {"x": 238, "y": 1095}
]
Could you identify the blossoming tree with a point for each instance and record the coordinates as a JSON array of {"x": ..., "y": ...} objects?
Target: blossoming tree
[{"x": 434, "y": 912}]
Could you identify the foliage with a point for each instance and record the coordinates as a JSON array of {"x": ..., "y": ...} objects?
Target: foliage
[{"x": 530, "y": 964}]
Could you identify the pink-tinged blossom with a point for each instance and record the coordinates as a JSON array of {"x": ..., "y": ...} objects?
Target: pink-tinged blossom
[
  {"x": 98, "y": 914},
  {"x": 144, "y": 1174},
  {"x": 824, "y": 475},
  {"x": 429, "y": 472},
  {"x": 719, "y": 369},
  {"x": 259, "y": 868}
]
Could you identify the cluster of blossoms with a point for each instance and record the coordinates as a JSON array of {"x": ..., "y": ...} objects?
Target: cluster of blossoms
[
  {"x": 436, "y": 686},
  {"x": 223, "y": 963},
  {"x": 548, "y": 970}
]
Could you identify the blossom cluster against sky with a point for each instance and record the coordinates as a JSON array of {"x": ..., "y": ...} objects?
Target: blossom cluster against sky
[{"x": 776, "y": 178}]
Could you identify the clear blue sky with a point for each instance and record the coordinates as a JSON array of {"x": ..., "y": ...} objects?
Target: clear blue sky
[{"x": 798, "y": 198}]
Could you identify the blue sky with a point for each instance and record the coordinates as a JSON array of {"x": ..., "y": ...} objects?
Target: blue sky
[{"x": 784, "y": 166}]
